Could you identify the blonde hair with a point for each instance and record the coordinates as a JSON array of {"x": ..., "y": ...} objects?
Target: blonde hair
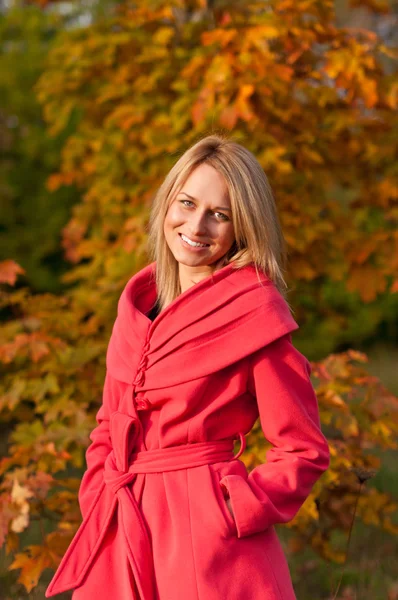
[{"x": 258, "y": 234}]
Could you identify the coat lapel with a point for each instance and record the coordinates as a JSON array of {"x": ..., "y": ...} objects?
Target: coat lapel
[{"x": 213, "y": 324}]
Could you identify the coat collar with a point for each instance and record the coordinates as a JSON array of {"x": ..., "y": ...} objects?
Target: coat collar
[{"x": 214, "y": 323}]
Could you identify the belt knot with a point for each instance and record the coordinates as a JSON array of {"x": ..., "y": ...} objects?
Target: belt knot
[{"x": 113, "y": 478}]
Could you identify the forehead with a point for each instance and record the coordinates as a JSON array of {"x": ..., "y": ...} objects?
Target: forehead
[{"x": 206, "y": 183}]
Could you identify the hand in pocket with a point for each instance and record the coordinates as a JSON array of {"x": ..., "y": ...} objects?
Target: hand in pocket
[{"x": 228, "y": 501}]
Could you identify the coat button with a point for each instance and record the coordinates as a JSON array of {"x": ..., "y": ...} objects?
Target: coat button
[
  {"x": 143, "y": 403},
  {"x": 143, "y": 361},
  {"x": 139, "y": 378}
]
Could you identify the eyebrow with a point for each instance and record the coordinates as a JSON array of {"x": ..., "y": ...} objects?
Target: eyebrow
[{"x": 219, "y": 207}]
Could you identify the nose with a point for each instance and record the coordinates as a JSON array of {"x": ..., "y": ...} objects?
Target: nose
[{"x": 197, "y": 224}]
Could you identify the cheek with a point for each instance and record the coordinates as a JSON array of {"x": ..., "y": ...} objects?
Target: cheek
[
  {"x": 228, "y": 236},
  {"x": 173, "y": 217}
]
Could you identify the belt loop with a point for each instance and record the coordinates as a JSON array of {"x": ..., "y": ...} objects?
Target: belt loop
[{"x": 242, "y": 444}]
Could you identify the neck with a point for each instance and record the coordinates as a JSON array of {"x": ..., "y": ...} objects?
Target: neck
[{"x": 189, "y": 276}]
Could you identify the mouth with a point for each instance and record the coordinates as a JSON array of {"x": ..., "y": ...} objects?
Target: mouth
[{"x": 187, "y": 244}]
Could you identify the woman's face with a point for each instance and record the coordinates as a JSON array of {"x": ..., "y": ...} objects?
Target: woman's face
[{"x": 202, "y": 212}]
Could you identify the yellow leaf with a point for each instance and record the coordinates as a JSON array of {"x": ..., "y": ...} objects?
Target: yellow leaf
[
  {"x": 391, "y": 52},
  {"x": 392, "y": 96},
  {"x": 20, "y": 493},
  {"x": 266, "y": 31},
  {"x": 163, "y": 36},
  {"x": 32, "y": 563}
]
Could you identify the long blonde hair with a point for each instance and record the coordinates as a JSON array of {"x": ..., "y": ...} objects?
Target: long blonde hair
[{"x": 258, "y": 234}]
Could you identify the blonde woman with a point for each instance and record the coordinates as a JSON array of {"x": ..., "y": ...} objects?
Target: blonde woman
[{"x": 201, "y": 347}]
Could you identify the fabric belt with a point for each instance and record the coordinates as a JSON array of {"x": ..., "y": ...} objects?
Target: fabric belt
[{"x": 120, "y": 470}]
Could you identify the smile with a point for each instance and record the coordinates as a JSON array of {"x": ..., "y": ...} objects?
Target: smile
[{"x": 191, "y": 243}]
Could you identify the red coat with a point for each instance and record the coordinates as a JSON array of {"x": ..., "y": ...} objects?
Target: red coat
[{"x": 177, "y": 392}]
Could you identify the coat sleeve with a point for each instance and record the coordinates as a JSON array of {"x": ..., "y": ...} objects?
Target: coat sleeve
[
  {"x": 100, "y": 447},
  {"x": 279, "y": 377}
]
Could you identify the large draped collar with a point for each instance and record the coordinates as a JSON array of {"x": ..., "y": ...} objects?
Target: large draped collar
[{"x": 211, "y": 325}]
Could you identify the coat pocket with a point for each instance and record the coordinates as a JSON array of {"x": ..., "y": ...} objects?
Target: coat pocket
[{"x": 221, "y": 504}]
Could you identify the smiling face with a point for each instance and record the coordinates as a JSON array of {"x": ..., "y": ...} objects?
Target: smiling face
[{"x": 202, "y": 212}]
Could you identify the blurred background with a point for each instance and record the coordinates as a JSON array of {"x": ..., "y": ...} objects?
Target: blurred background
[{"x": 98, "y": 99}]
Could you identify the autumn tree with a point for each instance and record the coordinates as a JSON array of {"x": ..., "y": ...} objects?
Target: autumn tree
[{"x": 29, "y": 224}]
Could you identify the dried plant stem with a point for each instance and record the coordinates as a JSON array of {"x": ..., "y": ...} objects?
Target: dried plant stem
[{"x": 349, "y": 538}]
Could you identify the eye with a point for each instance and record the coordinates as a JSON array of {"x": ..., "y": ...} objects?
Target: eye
[{"x": 223, "y": 217}]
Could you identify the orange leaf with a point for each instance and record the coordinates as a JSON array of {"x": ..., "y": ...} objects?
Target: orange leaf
[
  {"x": 32, "y": 563},
  {"x": 9, "y": 270},
  {"x": 228, "y": 117}
]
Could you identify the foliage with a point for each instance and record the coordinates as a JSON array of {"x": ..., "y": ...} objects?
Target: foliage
[
  {"x": 315, "y": 106},
  {"x": 311, "y": 100},
  {"x": 31, "y": 216},
  {"x": 359, "y": 415}
]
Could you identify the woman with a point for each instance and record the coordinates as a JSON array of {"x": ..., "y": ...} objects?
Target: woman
[{"x": 201, "y": 347}]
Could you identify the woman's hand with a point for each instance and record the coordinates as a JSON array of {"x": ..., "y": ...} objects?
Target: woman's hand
[{"x": 228, "y": 501}]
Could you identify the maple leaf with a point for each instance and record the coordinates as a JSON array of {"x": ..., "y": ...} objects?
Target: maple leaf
[
  {"x": 32, "y": 562},
  {"x": 9, "y": 271},
  {"x": 19, "y": 496}
]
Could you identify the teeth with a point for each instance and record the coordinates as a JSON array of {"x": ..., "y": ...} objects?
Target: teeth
[{"x": 190, "y": 242}]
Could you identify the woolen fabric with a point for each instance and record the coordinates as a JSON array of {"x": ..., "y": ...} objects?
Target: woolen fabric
[{"x": 178, "y": 391}]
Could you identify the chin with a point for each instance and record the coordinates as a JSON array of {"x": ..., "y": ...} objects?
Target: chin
[{"x": 193, "y": 261}]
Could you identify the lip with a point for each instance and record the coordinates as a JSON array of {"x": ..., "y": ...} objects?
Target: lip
[
  {"x": 193, "y": 248},
  {"x": 197, "y": 241}
]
